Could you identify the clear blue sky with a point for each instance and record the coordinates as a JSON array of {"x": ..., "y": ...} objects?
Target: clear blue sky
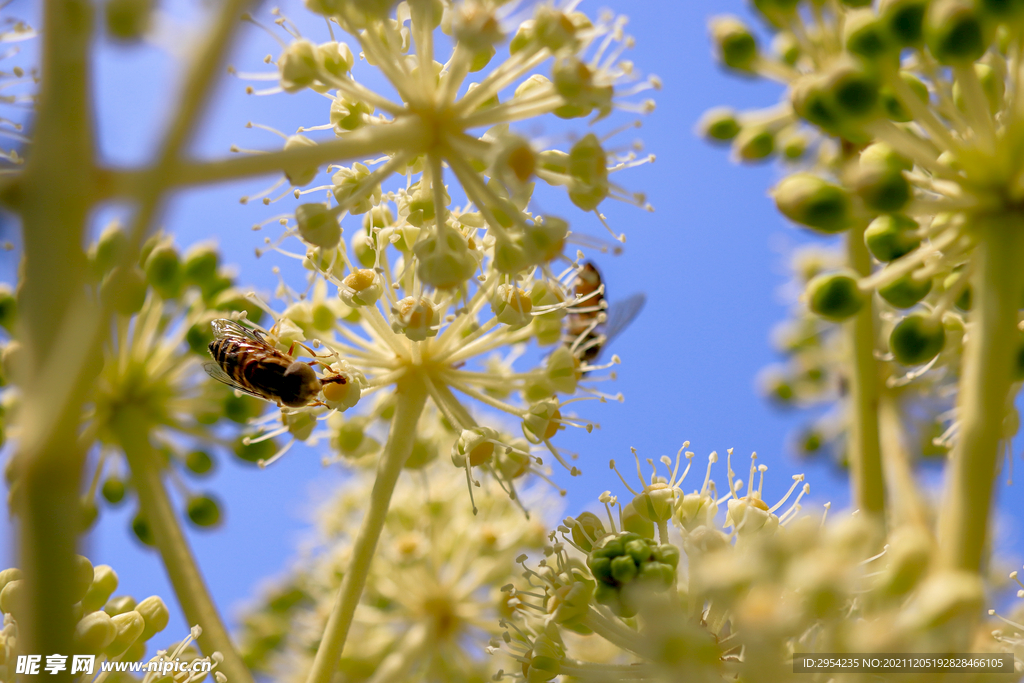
[{"x": 708, "y": 259}]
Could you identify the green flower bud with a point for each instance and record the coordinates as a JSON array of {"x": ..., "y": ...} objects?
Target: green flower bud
[
  {"x": 587, "y": 530},
  {"x": 127, "y": 20},
  {"x": 835, "y": 296},
  {"x": 415, "y": 318},
  {"x": 904, "y": 20},
  {"x": 108, "y": 249},
  {"x": 639, "y": 550},
  {"x": 754, "y": 143},
  {"x": 894, "y": 109},
  {"x": 509, "y": 255},
  {"x": 657, "y": 574},
  {"x": 807, "y": 199},
  {"x": 544, "y": 239},
  {"x": 129, "y": 627},
  {"x": 8, "y": 575},
  {"x": 164, "y": 271},
  {"x": 8, "y": 309},
  {"x": 347, "y": 190},
  {"x": 719, "y": 124},
  {"x": 255, "y": 452},
  {"x": 476, "y": 444},
  {"x": 634, "y": 523},
  {"x": 655, "y": 503},
  {"x": 545, "y": 660},
  {"x": 124, "y": 289},
  {"x": 588, "y": 168},
  {"x": 793, "y": 144},
  {"x": 852, "y": 90},
  {"x": 297, "y": 173},
  {"x": 81, "y": 578},
  {"x": 694, "y": 509},
  {"x": 361, "y": 288},
  {"x": 734, "y": 42},
  {"x": 203, "y": 511},
  {"x": 336, "y": 58},
  {"x": 94, "y": 633},
  {"x": 298, "y": 65},
  {"x": 104, "y": 583},
  {"x": 511, "y": 305},
  {"x": 963, "y": 302},
  {"x": 119, "y": 605},
  {"x": 881, "y": 187},
  {"x": 542, "y": 421},
  {"x": 624, "y": 569},
  {"x": 865, "y": 35},
  {"x": 954, "y": 32},
  {"x": 318, "y": 225},
  {"x": 562, "y": 370},
  {"x": 905, "y": 291},
  {"x": 554, "y": 29},
  {"x": 444, "y": 259},
  {"x": 991, "y": 84},
  {"x": 786, "y": 47},
  {"x": 201, "y": 262},
  {"x": 13, "y": 597},
  {"x": 113, "y": 490},
  {"x": 917, "y": 339},
  {"x": 570, "y": 604},
  {"x": 810, "y": 100},
  {"x": 347, "y": 115},
  {"x": 141, "y": 529},
  {"x": 892, "y": 236},
  {"x": 155, "y": 612},
  {"x": 199, "y": 462},
  {"x": 999, "y": 9}
]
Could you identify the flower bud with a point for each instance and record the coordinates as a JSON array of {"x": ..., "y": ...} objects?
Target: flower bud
[
  {"x": 119, "y": 605},
  {"x": 835, "y": 296},
  {"x": 203, "y": 511},
  {"x": 94, "y": 633},
  {"x": 141, "y": 529},
  {"x": 587, "y": 530},
  {"x": 542, "y": 421},
  {"x": 415, "y": 318},
  {"x": 554, "y": 29},
  {"x": 113, "y": 490},
  {"x": 104, "y": 583},
  {"x": 544, "y": 239},
  {"x": 588, "y": 168},
  {"x": 81, "y": 578},
  {"x": 254, "y": 452},
  {"x": 318, "y": 225},
  {"x": 511, "y": 305},
  {"x": 917, "y": 339},
  {"x": 954, "y": 32},
  {"x": 127, "y": 20},
  {"x": 865, "y": 35},
  {"x": 346, "y": 183},
  {"x": 13, "y": 598},
  {"x": 634, "y": 523},
  {"x": 154, "y": 611},
  {"x": 807, "y": 199},
  {"x": 852, "y": 90},
  {"x": 198, "y": 462},
  {"x": 444, "y": 259},
  {"x": 695, "y": 509},
  {"x": 750, "y": 515},
  {"x": 905, "y": 291},
  {"x": 299, "y": 174},
  {"x": 719, "y": 124},
  {"x": 904, "y": 20},
  {"x": 570, "y": 604},
  {"x": 298, "y": 65},
  {"x": 734, "y": 43},
  {"x": 361, "y": 288},
  {"x": 562, "y": 371},
  {"x": 164, "y": 271},
  {"x": 201, "y": 261},
  {"x": 124, "y": 289},
  {"x": 893, "y": 107},
  {"x": 514, "y": 462},
  {"x": 892, "y": 236},
  {"x": 655, "y": 503},
  {"x": 129, "y": 627},
  {"x": 754, "y": 143},
  {"x": 882, "y": 187}
]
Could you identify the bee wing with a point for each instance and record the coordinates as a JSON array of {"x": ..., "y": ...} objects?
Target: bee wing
[
  {"x": 228, "y": 328},
  {"x": 621, "y": 314},
  {"x": 216, "y": 372}
]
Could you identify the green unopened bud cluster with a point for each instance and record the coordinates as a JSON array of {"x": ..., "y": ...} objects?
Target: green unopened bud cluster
[{"x": 626, "y": 562}]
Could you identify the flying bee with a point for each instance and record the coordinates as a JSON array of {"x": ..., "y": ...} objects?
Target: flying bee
[
  {"x": 246, "y": 361},
  {"x": 586, "y": 335}
]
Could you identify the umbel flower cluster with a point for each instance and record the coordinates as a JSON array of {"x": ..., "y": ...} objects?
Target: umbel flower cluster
[
  {"x": 432, "y": 599},
  {"x": 904, "y": 122},
  {"x": 662, "y": 588}
]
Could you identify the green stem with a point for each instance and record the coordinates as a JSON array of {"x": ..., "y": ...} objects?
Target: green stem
[
  {"x": 989, "y": 357},
  {"x": 182, "y": 570},
  {"x": 905, "y": 499},
  {"x": 53, "y": 196},
  {"x": 863, "y": 443},
  {"x": 412, "y": 396}
]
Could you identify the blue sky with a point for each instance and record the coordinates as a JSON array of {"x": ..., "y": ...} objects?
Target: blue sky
[{"x": 711, "y": 259}]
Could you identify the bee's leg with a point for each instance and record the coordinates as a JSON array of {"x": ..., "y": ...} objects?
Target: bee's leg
[{"x": 316, "y": 404}]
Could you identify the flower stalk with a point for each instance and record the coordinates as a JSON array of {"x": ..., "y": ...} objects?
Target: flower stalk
[
  {"x": 411, "y": 395},
  {"x": 989, "y": 357},
  {"x": 866, "y": 480},
  {"x": 177, "y": 557}
]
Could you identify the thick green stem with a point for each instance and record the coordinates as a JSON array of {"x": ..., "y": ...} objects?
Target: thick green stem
[
  {"x": 182, "y": 570},
  {"x": 863, "y": 443},
  {"x": 412, "y": 396},
  {"x": 53, "y": 197},
  {"x": 989, "y": 357}
]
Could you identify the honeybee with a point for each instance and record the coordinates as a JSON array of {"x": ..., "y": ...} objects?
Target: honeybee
[
  {"x": 247, "y": 362},
  {"x": 584, "y": 334}
]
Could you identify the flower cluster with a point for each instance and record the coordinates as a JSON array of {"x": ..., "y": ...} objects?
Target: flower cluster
[
  {"x": 432, "y": 599},
  {"x": 426, "y": 292},
  {"x": 713, "y": 600},
  {"x": 112, "y": 628}
]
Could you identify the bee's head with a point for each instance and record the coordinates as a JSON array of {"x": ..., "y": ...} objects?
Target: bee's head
[{"x": 300, "y": 385}]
